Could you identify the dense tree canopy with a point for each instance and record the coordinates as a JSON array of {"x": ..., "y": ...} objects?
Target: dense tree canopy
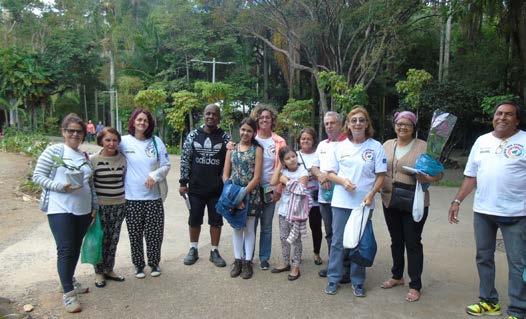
[{"x": 93, "y": 56}]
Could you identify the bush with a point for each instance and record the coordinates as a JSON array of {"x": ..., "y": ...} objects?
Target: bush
[{"x": 16, "y": 141}]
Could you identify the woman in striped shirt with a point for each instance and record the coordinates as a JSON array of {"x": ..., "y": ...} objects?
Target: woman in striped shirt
[{"x": 109, "y": 169}]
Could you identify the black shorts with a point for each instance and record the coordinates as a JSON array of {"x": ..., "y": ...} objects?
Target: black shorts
[{"x": 197, "y": 210}]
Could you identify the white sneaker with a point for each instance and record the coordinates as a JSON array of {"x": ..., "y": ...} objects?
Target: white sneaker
[
  {"x": 79, "y": 289},
  {"x": 71, "y": 302}
]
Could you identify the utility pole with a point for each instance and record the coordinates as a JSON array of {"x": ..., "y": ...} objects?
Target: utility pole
[
  {"x": 115, "y": 122},
  {"x": 213, "y": 62}
]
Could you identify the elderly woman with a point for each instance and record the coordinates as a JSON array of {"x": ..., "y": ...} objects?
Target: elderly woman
[
  {"x": 69, "y": 206},
  {"x": 109, "y": 167},
  {"x": 266, "y": 116},
  {"x": 357, "y": 168},
  {"x": 406, "y": 234},
  {"x": 307, "y": 157},
  {"x": 147, "y": 165}
]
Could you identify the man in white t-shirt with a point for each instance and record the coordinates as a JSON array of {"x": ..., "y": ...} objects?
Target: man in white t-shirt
[
  {"x": 497, "y": 168},
  {"x": 332, "y": 121}
]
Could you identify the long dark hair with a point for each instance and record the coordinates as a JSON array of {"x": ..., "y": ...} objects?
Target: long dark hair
[
  {"x": 253, "y": 124},
  {"x": 284, "y": 151}
]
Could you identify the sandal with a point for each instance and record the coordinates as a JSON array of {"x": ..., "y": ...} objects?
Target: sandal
[
  {"x": 413, "y": 295},
  {"x": 317, "y": 260},
  {"x": 114, "y": 278},
  {"x": 99, "y": 281},
  {"x": 388, "y": 284}
]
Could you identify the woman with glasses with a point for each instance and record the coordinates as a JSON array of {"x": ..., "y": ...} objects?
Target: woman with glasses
[
  {"x": 406, "y": 234},
  {"x": 69, "y": 206},
  {"x": 357, "y": 168}
]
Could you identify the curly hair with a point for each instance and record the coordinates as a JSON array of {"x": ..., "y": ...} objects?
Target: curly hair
[{"x": 259, "y": 108}]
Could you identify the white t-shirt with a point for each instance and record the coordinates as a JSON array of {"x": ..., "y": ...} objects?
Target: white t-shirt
[
  {"x": 500, "y": 169},
  {"x": 359, "y": 163},
  {"x": 141, "y": 159},
  {"x": 324, "y": 151},
  {"x": 310, "y": 160},
  {"x": 285, "y": 196},
  {"x": 269, "y": 157},
  {"x": 78, "y": 202}
]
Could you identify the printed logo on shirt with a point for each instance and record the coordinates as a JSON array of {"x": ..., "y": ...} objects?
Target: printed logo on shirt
[
  {"x": 150, "y": 150},
  {"x": 485, "y": 150},
  {"x": 207, "y": 151},
  {"x": 514, "y": 151},
  {"x": 270, "y": 151},
  {"x": 368, "y": 155}
]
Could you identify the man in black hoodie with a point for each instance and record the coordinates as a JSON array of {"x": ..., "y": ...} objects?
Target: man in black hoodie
[{"x": 202, "y": 162}]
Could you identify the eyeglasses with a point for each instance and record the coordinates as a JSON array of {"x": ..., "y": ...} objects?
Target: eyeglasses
[
  {"x": 355, "y": 120},
  {"x": 403, "y": 125},
  {"x": 72, "y": 131}
]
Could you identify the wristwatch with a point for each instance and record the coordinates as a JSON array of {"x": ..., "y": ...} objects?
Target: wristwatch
[{"x": 456, "y": 201}]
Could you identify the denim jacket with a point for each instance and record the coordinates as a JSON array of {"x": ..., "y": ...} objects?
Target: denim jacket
[{"x": 230, "y": 198}]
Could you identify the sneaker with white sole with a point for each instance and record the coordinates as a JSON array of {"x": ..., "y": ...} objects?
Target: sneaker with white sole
[
  {"x": 156, "y": 271},
  {"x": 71, "y": 302},
  {"x": 139, "y": 273},
  {"x": 484, "y": 308}
]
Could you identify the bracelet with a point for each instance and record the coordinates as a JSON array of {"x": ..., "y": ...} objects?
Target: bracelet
[{"x": 456, "y": 201}]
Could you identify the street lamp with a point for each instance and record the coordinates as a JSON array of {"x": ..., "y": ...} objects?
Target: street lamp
[
  {"x": 213, "y": 62},
  {"x": 115, "y": 122}
]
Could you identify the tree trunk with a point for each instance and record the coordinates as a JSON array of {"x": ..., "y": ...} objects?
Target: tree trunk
[
  {"x": 265, "y": 73},
  {"x": 112, "y": 86},
  {"x": 447, "y": 44},
  {"x": 518, "y": 12}
]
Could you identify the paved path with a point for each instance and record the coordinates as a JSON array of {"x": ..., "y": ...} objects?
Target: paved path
[{"x": 202, "y": 290}]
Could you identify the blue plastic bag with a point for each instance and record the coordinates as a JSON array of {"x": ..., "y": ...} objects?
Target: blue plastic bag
[{"x": 429, "y": 165}]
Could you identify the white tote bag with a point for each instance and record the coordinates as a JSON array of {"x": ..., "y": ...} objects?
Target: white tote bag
[
  {"x": 355, "y": 226},
  {"x": 418, "y": 203}
]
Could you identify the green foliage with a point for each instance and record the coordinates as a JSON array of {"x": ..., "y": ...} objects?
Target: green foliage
[
  {"x": 51, "y": 125},
  {"x": 294, "y": 116},
  {"x": 151, "y": 99},
  {"x": 413, "y": 86},
  {"x": 59, "y": 161},
  {"x": 221, "y": 93},
  {"x": 490, "y": 102},
  {"x": 16, "y": 141},
  {"x": 344, "y": 97},
  {"x": 184, "y": 102}
]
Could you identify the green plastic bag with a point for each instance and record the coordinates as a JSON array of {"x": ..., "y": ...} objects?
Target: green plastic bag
[{"x": 91, "y": 252}]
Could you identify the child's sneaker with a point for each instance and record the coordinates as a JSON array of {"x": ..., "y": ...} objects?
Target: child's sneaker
[
  {"x": 484, "y": 308},
  {"x": 71, "y": 302}
]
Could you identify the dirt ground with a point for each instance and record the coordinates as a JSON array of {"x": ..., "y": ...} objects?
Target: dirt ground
[{"x": 28, "y": 265}]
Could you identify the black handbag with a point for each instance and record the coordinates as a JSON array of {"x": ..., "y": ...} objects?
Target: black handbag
[{"x": 402, "y": 195}]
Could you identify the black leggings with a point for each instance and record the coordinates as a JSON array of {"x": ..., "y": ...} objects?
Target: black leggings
[{"x": 315, "y": 227}]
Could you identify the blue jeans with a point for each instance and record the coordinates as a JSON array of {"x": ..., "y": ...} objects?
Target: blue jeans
[
  {"x": 515, "y": 243},
  {"x": 68, "y": 231},
  {"x": 265, "y": 237},
  {"x": 326, "y": 216},
  {"x": 335, "y": 268}
]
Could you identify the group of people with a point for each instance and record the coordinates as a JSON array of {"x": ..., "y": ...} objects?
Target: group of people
[
  {"x": 323, "y": 183},
  {"x": 119, "y": 182}
]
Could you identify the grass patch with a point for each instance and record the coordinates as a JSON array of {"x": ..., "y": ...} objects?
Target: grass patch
[{"x": 448, "y": 183}]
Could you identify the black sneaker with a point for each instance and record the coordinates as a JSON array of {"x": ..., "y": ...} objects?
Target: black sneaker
[
  {"x": 191, "y": 257},
  {"x": 156, "y": 271},
  {"x": 217, "y": 259},
  {"x": 322, "y": 273},
  {"x": 139, "y": 273},
  {"x": 264, "y": 265}
]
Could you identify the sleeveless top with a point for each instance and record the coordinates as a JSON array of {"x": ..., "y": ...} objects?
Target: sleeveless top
[{"x": 243, "y": 167}]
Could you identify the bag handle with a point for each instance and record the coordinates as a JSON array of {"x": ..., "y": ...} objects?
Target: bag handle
[
  {"x": 156, "y": 149},
  {"x": 302, "y": 161}
]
